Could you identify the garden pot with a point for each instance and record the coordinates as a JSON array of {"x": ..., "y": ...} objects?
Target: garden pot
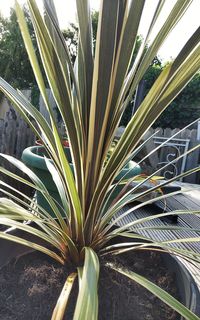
[
  {"x": 33, "y": 157},
  {"x": 187, "y": 288}
]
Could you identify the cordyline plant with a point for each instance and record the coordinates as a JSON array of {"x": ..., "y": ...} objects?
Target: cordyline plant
[{"x": 91, "y": 97}]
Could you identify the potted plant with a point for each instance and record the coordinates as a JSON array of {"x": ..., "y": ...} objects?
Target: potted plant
[{"x": 91, "y": 97}]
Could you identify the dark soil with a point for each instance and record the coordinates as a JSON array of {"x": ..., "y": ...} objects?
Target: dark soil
[{"x": 30, "y": 286}]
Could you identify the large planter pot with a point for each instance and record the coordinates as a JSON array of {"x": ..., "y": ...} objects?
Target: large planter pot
[
  {"x": 187, "y": 288},
  {"x": 33, "y": 157}
]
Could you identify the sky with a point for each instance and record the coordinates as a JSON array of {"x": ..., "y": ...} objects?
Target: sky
[{"x": 188, "y": 24}]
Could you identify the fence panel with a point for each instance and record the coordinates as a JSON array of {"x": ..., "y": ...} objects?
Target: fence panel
[{"x": 15, "y": 136}]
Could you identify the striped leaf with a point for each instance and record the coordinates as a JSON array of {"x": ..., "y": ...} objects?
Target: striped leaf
[
  {"x": 87, "y": 302},
  {"x": 160, "y": 293}
]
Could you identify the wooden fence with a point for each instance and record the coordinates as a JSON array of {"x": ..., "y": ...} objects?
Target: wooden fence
[{"x": 15, "y": 136}]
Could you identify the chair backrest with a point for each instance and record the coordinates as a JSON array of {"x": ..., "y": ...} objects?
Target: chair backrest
[{"x": 169, "y": 152}]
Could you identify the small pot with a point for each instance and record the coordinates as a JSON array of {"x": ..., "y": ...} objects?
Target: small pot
[{"x": 64, "y": 142}]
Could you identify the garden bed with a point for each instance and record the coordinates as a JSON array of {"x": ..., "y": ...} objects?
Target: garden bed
[{"x": 30, "y": 286}]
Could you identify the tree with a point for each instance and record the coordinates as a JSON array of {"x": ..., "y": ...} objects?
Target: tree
[
  {"x": 71, "y": 35},
  {"x": 184, "y": 109},
  {"x": 150, "y": 76},
  {"x": 15, "y": 66}
]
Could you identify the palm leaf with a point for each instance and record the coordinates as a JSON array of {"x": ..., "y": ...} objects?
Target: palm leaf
[
  {"x": 21, "y": 166},
  {"x": 31, "y": 245},
  {"x": 61, "y": 304},
  {"x": 87, "y": 302},
  {"x": 85, "y": 53}
]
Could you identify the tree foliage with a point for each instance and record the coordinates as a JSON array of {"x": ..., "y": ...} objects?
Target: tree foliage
[
  {"x": 15, "y": 66},
  {"x": 184, "y": 109},
  {"x": 71, "y": 35},
  {"x": 150, "y": 77}
]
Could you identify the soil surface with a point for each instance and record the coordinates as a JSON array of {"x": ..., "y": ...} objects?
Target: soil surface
[{"x": 30, "y": 286}]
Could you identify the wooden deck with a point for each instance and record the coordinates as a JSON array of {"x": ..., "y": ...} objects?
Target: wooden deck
[{"x": 183, "y": 201}]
